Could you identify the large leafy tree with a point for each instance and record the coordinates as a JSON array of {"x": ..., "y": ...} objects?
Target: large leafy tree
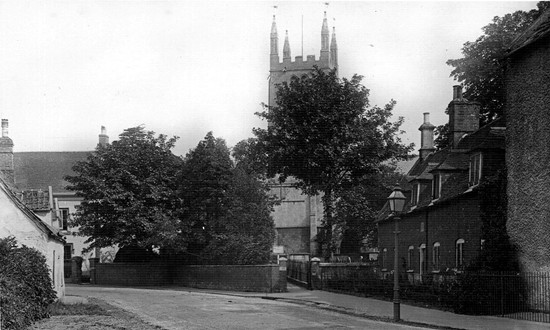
[
  {"x": 129, "y": 192},
  {"x": 226, "y": 204},
  {"x": 481, "y": 70},
  {"x": 323, "y": 133}
]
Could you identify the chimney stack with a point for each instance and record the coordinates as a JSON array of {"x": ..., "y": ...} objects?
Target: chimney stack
[
  {"x": 103, "y": 137},
  {"x": 426, "y": 137},
  {"x": 6, "y": 154},
  {"x": 463, "y": 117}
]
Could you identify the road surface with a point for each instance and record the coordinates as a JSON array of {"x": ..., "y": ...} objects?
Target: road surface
[{"x": 175, "y": 309}]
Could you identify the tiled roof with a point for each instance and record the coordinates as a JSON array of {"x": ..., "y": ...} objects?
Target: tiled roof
[
  {"x": 455, "y": 162},
  {"x": 539, "y": 29},
  {"x": 38, "y": 170}
]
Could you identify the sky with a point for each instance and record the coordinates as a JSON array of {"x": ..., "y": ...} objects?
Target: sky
[{"x": 185, "y": 68}]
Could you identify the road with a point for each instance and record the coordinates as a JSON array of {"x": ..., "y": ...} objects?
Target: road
[{"x": 175, "y": 309}]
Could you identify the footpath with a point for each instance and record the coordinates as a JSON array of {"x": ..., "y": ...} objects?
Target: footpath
[{"x": 384, "y": 309}]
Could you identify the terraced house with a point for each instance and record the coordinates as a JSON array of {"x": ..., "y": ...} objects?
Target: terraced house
[{"x": 442, "y": 227}]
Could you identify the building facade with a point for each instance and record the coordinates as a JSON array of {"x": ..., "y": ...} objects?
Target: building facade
[
  {"x": 298, "y": 216},
  {"x": 442, "y": 228},
  {"x": 527, "y": 136}
]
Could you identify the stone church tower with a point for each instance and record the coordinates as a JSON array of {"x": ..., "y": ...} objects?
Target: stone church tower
[
  {"x": 285, "y": 70},
  {"x": 298, "y": 216}
]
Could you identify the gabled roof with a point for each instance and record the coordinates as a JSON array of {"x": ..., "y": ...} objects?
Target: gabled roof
[
  {"x": 38, "y": 170},
  {"x": 44, "y": 227},
  {"x": 454, "y": 162},
  {"x": 538, "y": 30}
]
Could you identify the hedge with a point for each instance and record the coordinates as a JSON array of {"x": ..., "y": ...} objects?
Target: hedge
[{"x": 26, "y": 289}]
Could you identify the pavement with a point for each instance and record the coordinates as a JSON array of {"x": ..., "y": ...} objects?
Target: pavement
[{"x": 362, "y": 306}]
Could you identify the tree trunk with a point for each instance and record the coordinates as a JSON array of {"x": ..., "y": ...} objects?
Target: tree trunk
[{"x": 328, "y": 206}]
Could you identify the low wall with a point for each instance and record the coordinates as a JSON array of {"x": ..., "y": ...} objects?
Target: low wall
[
  {"x": 131, "y": 274},
  {"x": 254, "y": 278}
]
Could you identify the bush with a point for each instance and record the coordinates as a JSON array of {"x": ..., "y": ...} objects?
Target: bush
[{"x": 25, "y": 287}]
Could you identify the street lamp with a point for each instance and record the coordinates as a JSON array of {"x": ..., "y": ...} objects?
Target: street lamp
[{"x": 397, "y": 202}]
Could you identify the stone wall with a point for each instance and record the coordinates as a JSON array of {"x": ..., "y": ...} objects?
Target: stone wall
[{"x": 528, "y": 154}]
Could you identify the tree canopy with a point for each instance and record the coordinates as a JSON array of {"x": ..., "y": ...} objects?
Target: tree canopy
[
  {"x": 481, "y": 69},
  {"x": 140, "y": 196},
  {"x": 128, "y": 189},
  {"x": 323, "y": 133}
]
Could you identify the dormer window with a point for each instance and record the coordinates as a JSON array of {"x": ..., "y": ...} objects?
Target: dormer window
[
  {"x": 476, "y": 162},
  {"x": 436, "y": 186},
  {"x": 415, "y": 193}
]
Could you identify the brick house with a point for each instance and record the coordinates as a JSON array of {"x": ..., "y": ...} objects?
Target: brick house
[
  {"x": 527, "y": 138},
  {"x": 441, "y": 225}
]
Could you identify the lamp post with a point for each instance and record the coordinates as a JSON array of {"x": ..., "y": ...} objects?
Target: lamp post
[{"x": 397, "y": 202}]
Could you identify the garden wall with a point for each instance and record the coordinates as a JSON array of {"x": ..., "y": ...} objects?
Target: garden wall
[{"x": 255, "y": 278}]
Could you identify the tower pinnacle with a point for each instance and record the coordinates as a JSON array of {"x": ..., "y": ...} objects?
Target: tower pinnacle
[
  {"x": 333, "y": 49},
  {"x": 286, "y": 47},
  {"x": 274, "y": 54},
  {"x": 324, "y": 39}
]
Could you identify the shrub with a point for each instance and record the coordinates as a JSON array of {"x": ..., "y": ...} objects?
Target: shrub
[{"x": 25, "y": 287}]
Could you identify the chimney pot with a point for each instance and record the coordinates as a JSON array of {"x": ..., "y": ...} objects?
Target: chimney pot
[
  {"x": 4, "y": 128},
  {"x": 457, "y": 92},
  {"x": 426, "y": 117}
]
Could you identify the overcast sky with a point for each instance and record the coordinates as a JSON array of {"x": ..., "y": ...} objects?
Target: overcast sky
[{"x": 187, "y": 67}]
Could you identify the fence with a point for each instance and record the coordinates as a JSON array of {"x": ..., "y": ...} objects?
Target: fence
[
  {"x": 524, "y": 296},
  {"x": 298, "y": 271}
]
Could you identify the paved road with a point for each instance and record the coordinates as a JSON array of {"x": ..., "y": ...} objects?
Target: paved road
[{"x": 192, "y": 310}]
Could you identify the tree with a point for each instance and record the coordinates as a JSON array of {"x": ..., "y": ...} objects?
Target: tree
[
  {"x": 357, "y": 206},
  {"x": 323, "y": 133},
  {"x": 227, "y": 205},
  {"x": 129, "y": 192},
  {"x": 481, "y": 70}
]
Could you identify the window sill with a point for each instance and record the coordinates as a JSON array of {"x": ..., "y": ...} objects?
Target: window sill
[
  {"x": 410, "y": 271},
  {"x": 435, "y": 271},
  {"x": 384, "y": 270}
]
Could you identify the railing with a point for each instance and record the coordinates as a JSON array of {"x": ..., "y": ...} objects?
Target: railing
[
  {"x": 298, "y": 270},
  {"x": 524, "y": 296}
]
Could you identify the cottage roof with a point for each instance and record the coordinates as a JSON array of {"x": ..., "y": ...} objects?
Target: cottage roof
[
  {"x": 44, "y": 227},
  {"x": 454, "y": 162},
  {"x": 38, "y": 170},
  {"x": 538, "y": 30}
]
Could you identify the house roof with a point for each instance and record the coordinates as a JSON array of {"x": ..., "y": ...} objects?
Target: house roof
[
  {"x": 38, "y": 170},
  {"x": 44, "y": 227},
  {"x": 538, "y": 30},
  {"x": 455, "y": 162}
]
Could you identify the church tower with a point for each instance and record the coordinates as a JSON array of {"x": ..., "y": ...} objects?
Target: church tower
[{"x": 285, "y": 70}]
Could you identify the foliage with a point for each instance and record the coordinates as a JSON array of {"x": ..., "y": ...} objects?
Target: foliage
[
  {"x": 323, "y": 133},
  {"x": 481, "y": 69},
  {"x": 356, "y": 208},
  {"x": 25, "y": 286},
  {"x": 227, "y": 205},
  {"x": 129, "y": 190},
  {"x": 498, "y": 253}
]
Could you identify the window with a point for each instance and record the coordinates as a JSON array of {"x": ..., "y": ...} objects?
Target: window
[
  {"x": 68, "y": 251},
  {"x": 436, "y": 188},
  {"x": 384, "y": 258},
  {"x": 475, "y": 169},
  {"x": 422, "y": 258},
  {"x": 422, "y": 227},
  {"x": 410, "y": 257},
  {"x": 64, "y": 218},
  {"x": 436, "y": 256},
  {"x": 459, "y": 251},
  {"x": 415, "y": 194}
]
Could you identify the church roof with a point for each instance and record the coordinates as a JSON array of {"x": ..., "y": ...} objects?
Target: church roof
[{"x": 38, "y": 170}]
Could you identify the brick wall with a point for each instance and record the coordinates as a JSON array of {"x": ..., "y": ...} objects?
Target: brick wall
[
  {"x": 444, "y": 223},
  {"x": 256, "y": 278}
]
